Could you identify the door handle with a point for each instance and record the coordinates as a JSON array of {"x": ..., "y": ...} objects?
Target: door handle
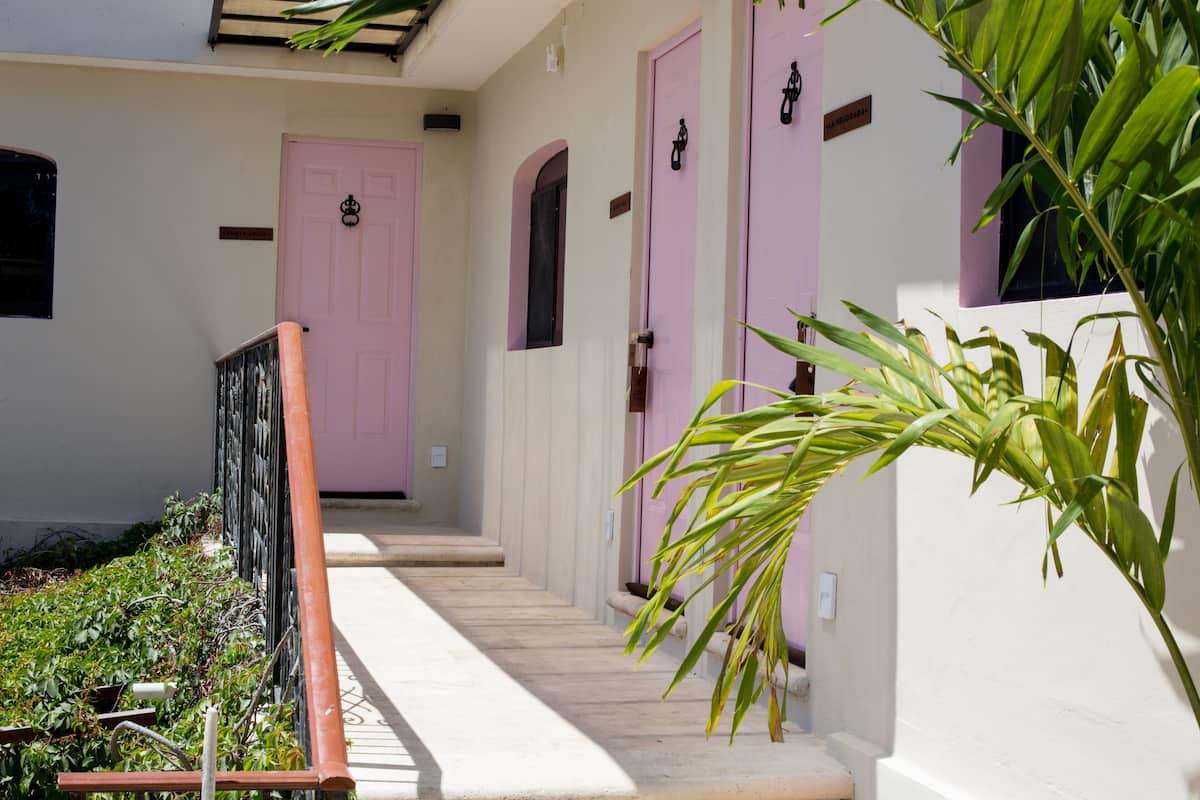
[
  {"x": 639, "y": 374},
  {"x": 805, "y": 382}
]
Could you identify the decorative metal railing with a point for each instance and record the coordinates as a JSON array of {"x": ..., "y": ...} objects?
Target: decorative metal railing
[
  {"x": 265, "y": 470},
  {"x": 251, "y": 471}
]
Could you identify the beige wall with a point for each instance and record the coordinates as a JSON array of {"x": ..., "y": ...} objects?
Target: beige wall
[
  {"x": 107, "y": 408},
  {"x": 547, "y": 430},
  {"x": 951, "y": 671}
]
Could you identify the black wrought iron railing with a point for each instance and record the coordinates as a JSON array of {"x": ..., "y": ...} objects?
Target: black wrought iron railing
[
  {"x": 251, "y": 472},
  {"x": 265, "y": 468}
]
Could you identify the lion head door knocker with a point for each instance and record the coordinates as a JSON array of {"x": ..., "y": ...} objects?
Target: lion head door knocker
[
  {"x": 678, "y": 146},
  {"x": 350, "y": 212},
  {"x": 791, "y": 93}
]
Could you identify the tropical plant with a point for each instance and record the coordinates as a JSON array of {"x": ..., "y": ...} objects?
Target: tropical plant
[
  {"x": 1104, "y": 91},
  {"x": 358, "y": 14},
  {"x": 154, "y": 606}
]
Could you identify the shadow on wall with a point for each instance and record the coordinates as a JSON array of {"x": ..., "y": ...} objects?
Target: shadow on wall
[{"x": 1183, "y": 591}]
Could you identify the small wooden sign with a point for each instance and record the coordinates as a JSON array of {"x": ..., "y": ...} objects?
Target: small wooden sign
[
  {"x": 234, "y": 234},
  {"x": 847, "y": 118},
  {"x": 620, "y": 205}
]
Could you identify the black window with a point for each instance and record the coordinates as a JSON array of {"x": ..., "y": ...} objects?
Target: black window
[
  {"x": 1042, "y": 275},
  {"x": 547, "y": 250},
  {"x": 28, "y": 192}
]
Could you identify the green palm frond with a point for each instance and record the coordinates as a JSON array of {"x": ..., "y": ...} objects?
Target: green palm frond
[
  {"x": 741, "y": 506},
  {"x": 335, "y": 35}
]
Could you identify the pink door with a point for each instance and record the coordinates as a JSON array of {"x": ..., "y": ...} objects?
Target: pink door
[
  {"x": 784, "y": 220},
  {"x": 670, "y": 269},
  {"x": 349, "y": 278}
]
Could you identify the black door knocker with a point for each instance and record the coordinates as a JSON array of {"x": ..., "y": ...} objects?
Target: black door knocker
[
  {"x": 350, "y": 211},
  {"x": 678, "y": 146},
  {"x": 791, "y": 94}
]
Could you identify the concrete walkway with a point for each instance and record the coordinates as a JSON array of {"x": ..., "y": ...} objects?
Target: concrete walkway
[{"x": 470, "y": 683}]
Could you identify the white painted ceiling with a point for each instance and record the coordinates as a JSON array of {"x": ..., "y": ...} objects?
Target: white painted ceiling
[{"x": 468, "y": 40}]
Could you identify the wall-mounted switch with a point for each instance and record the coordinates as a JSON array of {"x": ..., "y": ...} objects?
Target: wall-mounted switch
[
  {"x": 438, "y": 458},
  {"x": 610, "y": 521},
  {"x": 827, "y": 596}
]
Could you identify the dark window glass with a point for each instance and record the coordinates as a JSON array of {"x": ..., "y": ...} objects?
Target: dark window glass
[
  {"x": 28, "y": 192},
  {"x": 1042, "y": 274},
  {"x": 547, "y": 245}
]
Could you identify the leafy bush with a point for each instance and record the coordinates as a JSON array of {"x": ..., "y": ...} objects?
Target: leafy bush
[{"x": 167, "y": 612}]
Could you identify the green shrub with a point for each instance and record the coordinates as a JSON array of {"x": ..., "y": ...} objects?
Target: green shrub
[{"x": 166, "y": 612}]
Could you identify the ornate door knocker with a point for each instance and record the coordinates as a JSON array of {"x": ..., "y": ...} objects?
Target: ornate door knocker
[
  {"x": 678, "y": 146},
  {"x": 350, "y": 211},
  {"x": 791, "y": 93}
]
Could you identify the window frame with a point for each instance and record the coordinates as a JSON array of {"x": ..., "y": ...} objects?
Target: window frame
[
  {"x": 40, "y": 303},
  {"x": 1042, "y": 258},
  {"x": 547, "y": 184}
]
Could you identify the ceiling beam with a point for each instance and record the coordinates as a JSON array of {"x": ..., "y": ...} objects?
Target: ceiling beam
[
  {"x": 418, "y": 23},
  {"x": 214, "y": 25}
]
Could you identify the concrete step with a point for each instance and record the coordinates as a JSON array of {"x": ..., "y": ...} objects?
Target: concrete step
[
  {"x": 368, "y": 504},
  {"x": 381, "y": 538},
  {"x": 411, "y": 550}
]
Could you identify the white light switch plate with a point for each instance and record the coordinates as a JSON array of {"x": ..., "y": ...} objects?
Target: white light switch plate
[
  {"x": 438, "y": 458},
  {"x": 827, "y": 596}
]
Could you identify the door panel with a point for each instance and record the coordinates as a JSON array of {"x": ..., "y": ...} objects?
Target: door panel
[
  {"x": 352, "y": 286},
  {"x": 782, "y": 229},
  {"x": 670, "y": 274}
]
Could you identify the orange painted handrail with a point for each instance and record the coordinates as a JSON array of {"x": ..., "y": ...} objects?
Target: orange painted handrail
[
  {"x": 115, "y": 782},
  {"x": 328, "y": 771},
  {"x": 327, "y": 732}
]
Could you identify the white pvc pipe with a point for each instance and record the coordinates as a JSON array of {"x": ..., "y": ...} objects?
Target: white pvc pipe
[
  {"x": 208, "y": 777},
  {"x": 152, "y": 691}
]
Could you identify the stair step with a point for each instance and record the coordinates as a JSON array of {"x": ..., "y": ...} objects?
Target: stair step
[{"x": 411, "y": 550}]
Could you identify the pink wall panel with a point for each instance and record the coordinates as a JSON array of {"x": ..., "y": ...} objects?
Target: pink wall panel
[
  {"x": 783, "y": 223},
  {"x": 981, "y": 165}
]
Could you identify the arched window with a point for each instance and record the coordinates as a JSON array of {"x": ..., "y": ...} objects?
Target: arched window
[
  {"x": 539, "y": 226},
  {"x": 28, "y": 197},
  {"x": 547, "y": 252}
]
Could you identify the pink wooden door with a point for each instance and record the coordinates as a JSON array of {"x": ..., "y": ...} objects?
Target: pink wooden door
[
  {"x": 782, "y": 229},
  {"x": 670, "y": 270},
  {"x": 353, "y": 287}
]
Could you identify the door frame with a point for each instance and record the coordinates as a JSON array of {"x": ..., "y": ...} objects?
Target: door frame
[
  {"x": 281, "y": 257},
  {"x": 643, "y": 317}
]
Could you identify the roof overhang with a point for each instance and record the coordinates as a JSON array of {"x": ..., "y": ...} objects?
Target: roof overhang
[{"x": 261, "y": 22}]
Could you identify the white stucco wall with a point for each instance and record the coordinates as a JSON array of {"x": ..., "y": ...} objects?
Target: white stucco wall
[
  {"x": 949, "y": 659},
  {"x": 948, "y": 650},
  {"x": 108, "y": 407}
]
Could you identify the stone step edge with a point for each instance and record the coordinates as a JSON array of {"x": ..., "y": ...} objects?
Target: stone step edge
[
  {"x": 352, "y": 504},
  {"x": 630, "y": 604},
  {"x": 415, "y": 556},
  {"x": 795, "y": 683}
]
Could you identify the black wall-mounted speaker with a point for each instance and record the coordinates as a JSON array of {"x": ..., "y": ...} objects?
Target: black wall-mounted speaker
[{"x": 443, "y": 122}]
